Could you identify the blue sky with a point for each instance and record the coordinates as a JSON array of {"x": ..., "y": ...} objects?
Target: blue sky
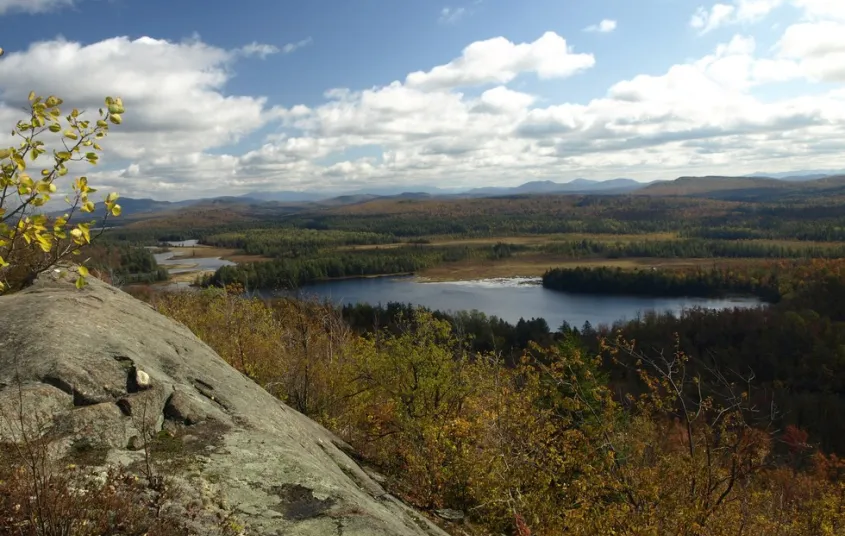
[{"x": 505, "y": 91}]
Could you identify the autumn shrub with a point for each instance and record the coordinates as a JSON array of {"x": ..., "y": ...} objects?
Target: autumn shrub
[
  {"x": 31, "y": 242},
  {"x": 299, "y": 351},
  {"x": 407, "y": 392},
  {"x": 73, "y": 502},
  {"x": 543, "y": 447}
]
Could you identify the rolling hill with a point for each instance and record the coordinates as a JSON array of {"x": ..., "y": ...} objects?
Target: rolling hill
[{"x": 746, "y": 188}]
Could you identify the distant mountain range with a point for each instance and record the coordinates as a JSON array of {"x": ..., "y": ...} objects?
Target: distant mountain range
[
  {"x": 757, "y": 186},
  {"x": 584, "y": 186},
  {"x": 577, "y": 186}
]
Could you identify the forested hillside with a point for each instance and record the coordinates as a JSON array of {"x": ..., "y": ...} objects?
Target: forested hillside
[{"x": 712, "y": 419}]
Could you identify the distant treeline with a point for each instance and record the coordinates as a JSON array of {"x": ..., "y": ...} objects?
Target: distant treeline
[
  {"x": 291, "y": 242},
  {"x": 691, "y": 282},
  {"x": 690, "y": 248},
  {"x": 294, "y": 272}
]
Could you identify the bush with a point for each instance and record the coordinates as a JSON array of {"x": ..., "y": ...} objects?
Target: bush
[{"x": 32, "y": 242}]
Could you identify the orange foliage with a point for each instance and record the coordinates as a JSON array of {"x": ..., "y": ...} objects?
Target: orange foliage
[{"x": 541, "y": 449}]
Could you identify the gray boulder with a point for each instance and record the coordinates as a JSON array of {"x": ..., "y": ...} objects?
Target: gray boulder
[{"x": 111, "y": 378}]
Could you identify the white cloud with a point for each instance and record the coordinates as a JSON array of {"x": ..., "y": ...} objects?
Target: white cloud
[
  {"x": 605, "y": 26},
  {"x": 173, "y": 91},
  {"x": 740, "y": 11},
  {"x": 498, "y": 61},
  {"x": 451, "y": 15},
  {"x": 258, "y": 49},
  {"x": 291, "y": 47},
  {"x": 817, "y": 49},
  {"x": 32, "y": 6},
  {"x": 707, "y": 20},
  {"x": 500, "y": 99},
  {"x": 263, "y": 50},
  {"x": 822, "y": 9},
  {"x": 701, "y": 116}
]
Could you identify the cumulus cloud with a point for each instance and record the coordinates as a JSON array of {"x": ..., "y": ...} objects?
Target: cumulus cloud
[
  {"x": 173, "y": 91},
  {"x": 605, "y": 26},
  {"x": 460, "y": 123},
  {"x": 817, "y": 49},
  {"x": 498, "y": 61},
  {"x": 32, "y": 6}
]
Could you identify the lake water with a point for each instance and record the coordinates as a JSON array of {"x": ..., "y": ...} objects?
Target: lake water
[
  {"x": 509, "y": 299},
  {"x": 192, "y": 264}
]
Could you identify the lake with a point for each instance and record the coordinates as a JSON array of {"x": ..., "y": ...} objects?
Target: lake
[{"x": 509, "y": 299}]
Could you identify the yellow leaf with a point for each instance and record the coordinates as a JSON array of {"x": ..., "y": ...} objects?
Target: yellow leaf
[
  {"x": 83, "y": 271},
  {"x": 80, "y": 282},
  {"x": 44, "y": 243}
]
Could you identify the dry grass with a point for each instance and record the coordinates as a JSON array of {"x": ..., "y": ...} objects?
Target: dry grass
[
  {"x": 241, "y": 258},
  {"x": 187, "y": 277},
  {"x": 202, "y": 252},
  {"x": 536, "y": 265},
  {"x": 522, "y": 240},
  {"x": 529, "y": 240},
  {"x": 797, "y": 244},
  {"x": 206, "y": 252}
]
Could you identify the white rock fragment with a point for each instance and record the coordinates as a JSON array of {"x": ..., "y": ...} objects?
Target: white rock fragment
[{"x": 142, "y": 379}]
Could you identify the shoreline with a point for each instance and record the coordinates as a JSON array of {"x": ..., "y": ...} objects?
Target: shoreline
[{"x": 517, "y": 266}]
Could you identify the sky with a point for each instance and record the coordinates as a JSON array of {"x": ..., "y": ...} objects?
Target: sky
[{"x": 226, "y": 98}]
